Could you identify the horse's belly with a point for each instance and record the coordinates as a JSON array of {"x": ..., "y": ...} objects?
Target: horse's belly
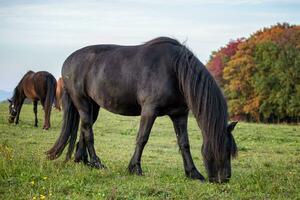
[{"x": 120, "y": 106}]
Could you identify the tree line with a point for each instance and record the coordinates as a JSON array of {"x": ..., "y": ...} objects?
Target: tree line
[{"x": 260, "y": 75}]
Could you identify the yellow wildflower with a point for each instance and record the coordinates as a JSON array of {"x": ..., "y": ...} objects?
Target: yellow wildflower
[
  {"x": 45, "y": 177},
  {"x": 32, "y": 182},
  {"x": 42, "y": 197},
  {"x": 33, "y": 198}
]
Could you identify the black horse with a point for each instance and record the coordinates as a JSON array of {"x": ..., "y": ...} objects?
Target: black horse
[
  {"x": 160, "y": 77},
  {"x": 39, "y": 86}
]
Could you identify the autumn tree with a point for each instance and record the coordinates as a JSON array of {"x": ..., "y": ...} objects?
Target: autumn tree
[
  {"x": 278, "y": 80},
  {"x": 260, "y": 76},
  {"x": 219, "y": 58}
]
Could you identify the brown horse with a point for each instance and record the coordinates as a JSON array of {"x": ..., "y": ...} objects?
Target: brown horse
[
  {"x": 39, "y": 86},
  {"x": 59, "y": 92}
]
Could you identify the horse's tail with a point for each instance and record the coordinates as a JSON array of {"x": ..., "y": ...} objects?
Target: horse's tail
[
  {"x": 68, "y": 130},
  {"x": 51, "y": 90},
  {"x": 50, "y": 96}
]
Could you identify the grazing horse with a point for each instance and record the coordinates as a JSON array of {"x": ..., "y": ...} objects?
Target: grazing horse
[
  {"x": 59, "y": 92},
  {"x": 39, "y": 86},
  {"x": 159, "y": 77}
]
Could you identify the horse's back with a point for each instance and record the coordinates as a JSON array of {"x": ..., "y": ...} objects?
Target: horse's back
[
  {"x": 36, "y": 84},
  {"x": 123, "y": 78}
]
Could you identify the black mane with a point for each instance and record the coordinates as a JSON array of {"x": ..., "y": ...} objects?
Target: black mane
[
  {"x": 205, "y": 99},
  {"x": 160, "y": 40}
]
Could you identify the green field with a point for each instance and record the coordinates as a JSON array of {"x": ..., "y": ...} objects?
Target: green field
[{"x": 268, "y": 165}]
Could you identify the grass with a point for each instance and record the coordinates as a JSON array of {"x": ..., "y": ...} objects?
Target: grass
[{"x": 268, "y": 165}]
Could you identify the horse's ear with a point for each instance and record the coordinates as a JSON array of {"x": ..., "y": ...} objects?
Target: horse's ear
[
  {"x": 9, "y": 100},
  {"x": 231, "y": 126}
]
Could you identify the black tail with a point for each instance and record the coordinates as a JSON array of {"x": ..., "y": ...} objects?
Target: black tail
[
  {"x": 51, "y": 91},
  {"x": 68, "y": 131}
]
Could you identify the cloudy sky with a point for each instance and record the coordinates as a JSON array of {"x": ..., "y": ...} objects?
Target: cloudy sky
[{"x": 39, "y": 35}]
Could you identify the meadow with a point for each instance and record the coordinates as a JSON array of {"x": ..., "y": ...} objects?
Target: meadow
[{"x": 267, "y": 167}]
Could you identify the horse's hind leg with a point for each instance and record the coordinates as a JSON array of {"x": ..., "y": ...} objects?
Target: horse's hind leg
[
  {"x": 180, "y": 126},
  {"x": 148, "y": 117},
  {"x": 47, "y": 109},
  {"x": 35, "y": 103},
  {"x": 85, "y": 109},
  {"x": 81, "y": 149}
]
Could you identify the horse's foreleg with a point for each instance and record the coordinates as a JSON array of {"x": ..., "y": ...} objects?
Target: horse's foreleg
[
  {"x": 19, "y": 111},
  {"x": 180, "y": 126},
  {"x": 148, "y": 117},
  {"x": 35, "y": 103}
]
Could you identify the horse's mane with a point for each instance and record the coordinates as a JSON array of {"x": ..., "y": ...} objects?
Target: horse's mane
[
  {"x": 205, "y": 100},
  {"x": 18, "y": 90},
  {"x": 203, "y": 97},
  {"x": 160, "y": 40}
]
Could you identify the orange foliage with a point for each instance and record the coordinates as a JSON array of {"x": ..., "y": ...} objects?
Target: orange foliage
[{"x": 238, "y": 72}]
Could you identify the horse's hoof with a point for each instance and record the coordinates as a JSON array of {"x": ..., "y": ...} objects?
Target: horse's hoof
[
  {"x": 135, "y": 169},
  {"x": 51, "y": 156},
  {"x": 194, "y": 174},
  {"x": 96, "y": 164},
  {"x": 83, "y": 159},
  {"x": 79, "y": 160}
]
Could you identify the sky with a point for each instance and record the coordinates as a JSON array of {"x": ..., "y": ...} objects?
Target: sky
[{"x": 40, "y": 35}]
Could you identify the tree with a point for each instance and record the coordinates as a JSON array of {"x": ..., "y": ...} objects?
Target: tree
[
  {"x": 219, "y": 58},
  {"x": 261, "y": 79}
]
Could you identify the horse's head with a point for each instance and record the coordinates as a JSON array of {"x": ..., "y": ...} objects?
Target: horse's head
[
  {"x": 219, "y": 171},
  {"x": 12, "y": 111}
]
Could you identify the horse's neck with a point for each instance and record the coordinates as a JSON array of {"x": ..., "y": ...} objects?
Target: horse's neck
[{"x": 19, "y": 95}]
